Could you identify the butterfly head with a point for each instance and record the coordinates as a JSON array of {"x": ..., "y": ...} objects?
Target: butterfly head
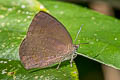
[{"x": 76, "y": 47}]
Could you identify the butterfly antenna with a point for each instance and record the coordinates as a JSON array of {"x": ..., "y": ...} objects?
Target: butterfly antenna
[{"x": 78, "y": 32}]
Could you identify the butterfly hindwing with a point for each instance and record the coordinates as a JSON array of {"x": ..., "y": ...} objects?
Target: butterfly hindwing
[{"x": 47, "y": 41}]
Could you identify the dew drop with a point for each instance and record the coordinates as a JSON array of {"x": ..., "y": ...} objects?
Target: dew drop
[
  {"x": 64, "y": 74},
  {"x": 25, "y": 20},
  {"x": 6, "y": 14},
  {"x": 2, "y": 24},
  {"x": 78, "y": 40},
  {"x": 41, "y": 7},
  {"x": 36, "y": 77},
  {"x": 30, "y": 13},
  {"x": 95, "y": 23},
  {"x": 93, "y": 18},
  {"x": 12, "y": 45},
  {"x": 9, "y": 9},
  {"x": 8, "y": 23},
  {"x": 5, "y": 62},
  {"x": 18, "y": 37},
  {"x": 97, "y": 39},
  {"x": 4, "y": 71},
  {"x": 23, "y": 12},
  {"x": 18, "y": 20},
  {"x": 2, "y": 16},
  {"x": 10, "y": 65},
  {"x": 9, "y": 60},
  {"x": 84, "y": 39},
  {"x": 61, "y": 12},
  {"x": 95, "y": 34},
  {"x": 28, "y": 17},
  {"x": 80, "y": 47},
  {"x": 3, "y": 8},
  {"x": 75, "y": 72},
  {"x": 1, "y": 61},
  {"x": 27, "y": 12},
  {"x": 10, "y": 38},
  {"x": 56, "y": 6},
  {"x": 115, "y": 38},
  {"x": 18, "y": 11},
  {"x": 3, "y": 45},
  {"x": 91, "y": 42},
  {"x": 23, "y": 6},
  {"x": 41, "y": 76}
]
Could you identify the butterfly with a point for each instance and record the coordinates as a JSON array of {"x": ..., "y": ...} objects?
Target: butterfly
[{"x": 47, "y": 42}]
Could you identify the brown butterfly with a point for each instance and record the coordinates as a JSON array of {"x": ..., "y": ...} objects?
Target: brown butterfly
[{"x": 47, "y": 43}]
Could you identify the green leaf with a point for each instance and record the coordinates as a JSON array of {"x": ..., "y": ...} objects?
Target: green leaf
[
  {"x": 13, "y": 70},
  {"x": 15, "y": 18},
  {"x": 100, "y": 31}
]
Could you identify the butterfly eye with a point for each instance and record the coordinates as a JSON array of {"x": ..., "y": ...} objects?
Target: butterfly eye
[{"x": 76, "y": 47}]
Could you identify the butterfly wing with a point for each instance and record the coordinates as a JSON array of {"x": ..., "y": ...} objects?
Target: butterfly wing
[{"x": 46, "y": 43}]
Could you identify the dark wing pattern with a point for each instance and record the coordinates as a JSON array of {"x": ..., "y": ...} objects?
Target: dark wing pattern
[{"x": 47, "y": 41}]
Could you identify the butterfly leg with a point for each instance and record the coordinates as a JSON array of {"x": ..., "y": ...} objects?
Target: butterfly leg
[
  {"x": 74, "y": 55},
  {"x": 59, "y": 64}
]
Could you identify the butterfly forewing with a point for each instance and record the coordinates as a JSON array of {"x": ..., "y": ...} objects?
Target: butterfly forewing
[{"x": 46, "y": 43}]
